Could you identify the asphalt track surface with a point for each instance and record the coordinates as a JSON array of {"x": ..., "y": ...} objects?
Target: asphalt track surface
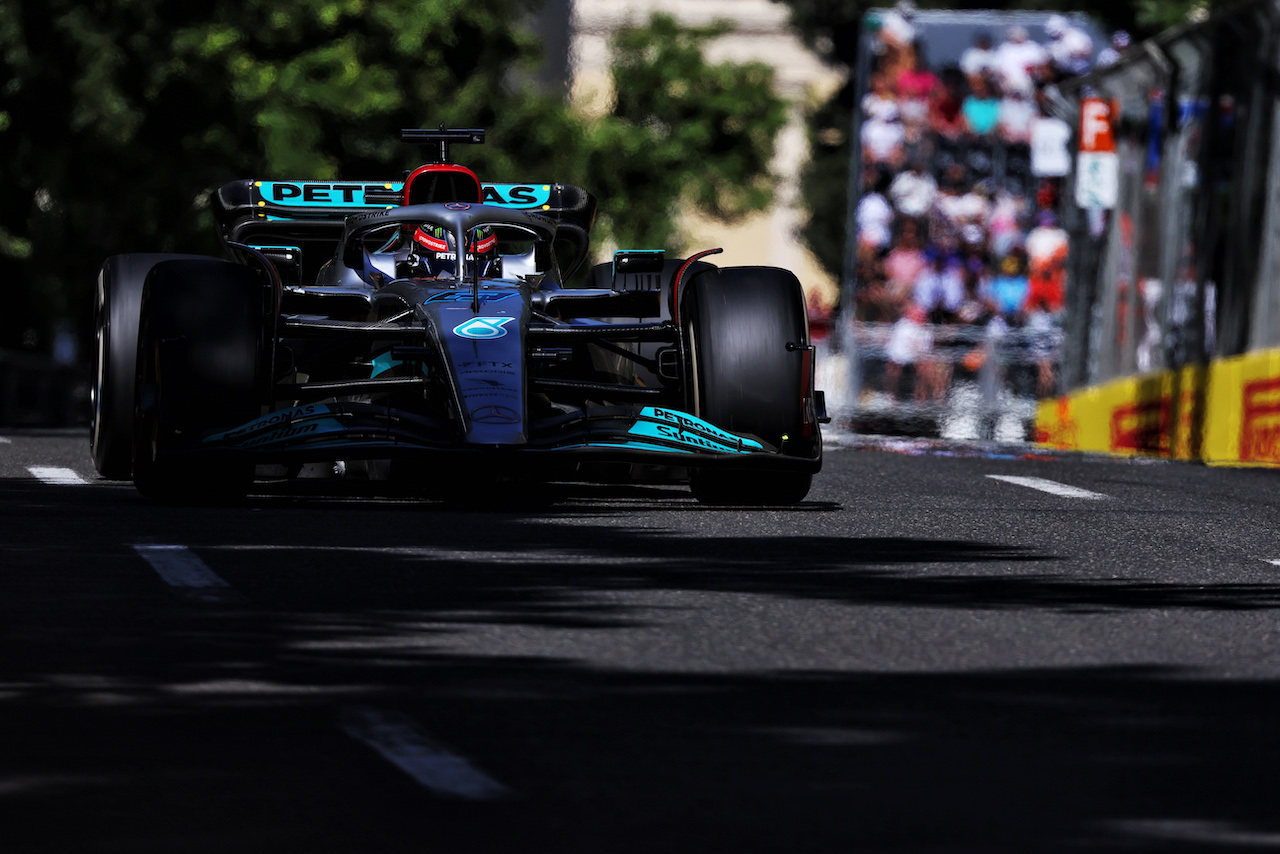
[{"x": 921, "y": 657}]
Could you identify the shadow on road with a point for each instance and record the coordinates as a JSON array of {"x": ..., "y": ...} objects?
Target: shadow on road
[
  {"x": 160, "y": 724},
  {"x": 185, "y": 758}
]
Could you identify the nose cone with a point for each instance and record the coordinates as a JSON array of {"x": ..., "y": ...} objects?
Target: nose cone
[{"x": 485, "y": 354}]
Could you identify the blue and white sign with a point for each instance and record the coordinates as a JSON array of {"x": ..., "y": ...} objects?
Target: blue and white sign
[{"x": 1097, "y": 179}]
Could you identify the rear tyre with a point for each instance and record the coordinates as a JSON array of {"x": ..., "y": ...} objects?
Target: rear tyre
[
  {"x": 199, "y": 365},
  {"x": 745, "y": 376},
  {"x": 117, "y": 301}
]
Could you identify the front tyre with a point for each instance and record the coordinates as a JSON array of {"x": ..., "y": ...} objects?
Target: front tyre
[
  {"x": 116, "y": 307},
  {"x": 200, "y": 360},
  {"x": 747, "y": 333}
]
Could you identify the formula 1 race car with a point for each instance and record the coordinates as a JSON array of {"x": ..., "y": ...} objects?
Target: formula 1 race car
[{"x": 424, "y": 332}]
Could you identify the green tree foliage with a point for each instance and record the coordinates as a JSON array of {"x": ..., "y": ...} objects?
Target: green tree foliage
[
  {"x": 1154, "y": 15},
  {"x": 825, "y": 178},
  {"x": 681, "y": 131},
  {"x": 691, "y": 133},
  {"x": 119, "y": 117}
]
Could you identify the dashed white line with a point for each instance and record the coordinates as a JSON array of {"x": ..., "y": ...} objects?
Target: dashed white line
[
  {"x": 5, "y": 440},
  {"x": 181, "y": 569},
  {"x": 1274, "y": 561},
  {"x": 400, "y": 742},
  {"x": 56, "y": 476},
  {"x": 1050, "y": 486}
]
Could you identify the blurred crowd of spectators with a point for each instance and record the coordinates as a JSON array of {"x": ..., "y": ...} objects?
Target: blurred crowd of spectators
[{"x": 954, "y": 228}]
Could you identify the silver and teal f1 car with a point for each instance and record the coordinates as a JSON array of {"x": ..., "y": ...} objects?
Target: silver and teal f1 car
[{"x": 425, "y": 332}]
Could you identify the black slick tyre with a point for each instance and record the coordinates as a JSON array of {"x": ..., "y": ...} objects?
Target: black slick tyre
[
  {"x": 117, "y": 300},
  {"x": 199, "y": 370},
  {"x": 746, "y": 333}
]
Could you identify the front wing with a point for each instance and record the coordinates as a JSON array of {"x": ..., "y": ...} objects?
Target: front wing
[{"x": 648, "y": 434}]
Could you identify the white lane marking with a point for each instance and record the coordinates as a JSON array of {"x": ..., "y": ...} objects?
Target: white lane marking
[
  {"x": 182, "y": 569},
  {"x": 56, "y": 476},
  {"x": 1050, "y": 486},
  {"x": 1275, "y": 561},
  {"x": 399, "y": 741},
  {"x": 5, "y": 440}
]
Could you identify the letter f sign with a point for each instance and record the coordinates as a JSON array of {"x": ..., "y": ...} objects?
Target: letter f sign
[{"x": 1095, "y": 126}]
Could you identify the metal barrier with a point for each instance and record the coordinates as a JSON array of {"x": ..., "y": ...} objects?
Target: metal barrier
[
  {"x": 963, "y": 382},
  {"x": 1184, "y": 268}
]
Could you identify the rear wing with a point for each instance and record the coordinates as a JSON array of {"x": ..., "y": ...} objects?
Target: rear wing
[{"x": 299, "y": 223}]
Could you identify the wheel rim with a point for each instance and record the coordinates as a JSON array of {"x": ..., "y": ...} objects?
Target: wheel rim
[
  {"x": 99, "y": 380},
  {"x": 696, "y": 398}
]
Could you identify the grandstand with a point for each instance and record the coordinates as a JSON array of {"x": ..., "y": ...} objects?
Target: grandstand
[{"x": 955, "y": 278}]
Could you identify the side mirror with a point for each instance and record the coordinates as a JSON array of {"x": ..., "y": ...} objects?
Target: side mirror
[{"x": 636, "y": 261}]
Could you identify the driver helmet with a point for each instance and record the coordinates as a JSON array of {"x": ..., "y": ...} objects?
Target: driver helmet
[{"x": 434, "y": 245}]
